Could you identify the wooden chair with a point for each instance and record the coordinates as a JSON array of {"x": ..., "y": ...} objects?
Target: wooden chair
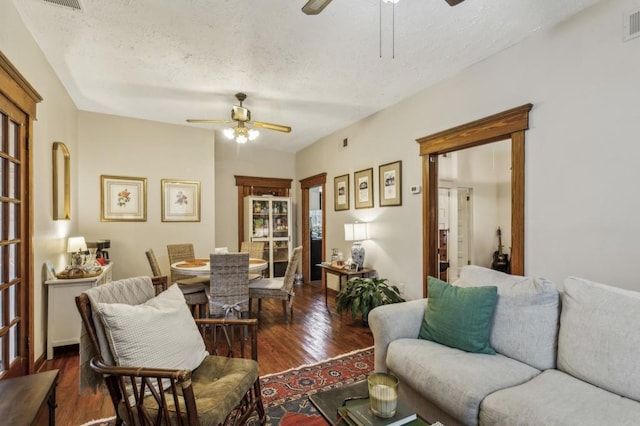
[
  {"x": 223, "y": 389},
  {"x": 254, "y": 248},
  {"x": 180, "y": 253},
  {"x": 256, "y": 251},
  {"x": 193, "y": 288},
  {"x": 229, "y": 289},
  {"x": 277, "y": 288}
]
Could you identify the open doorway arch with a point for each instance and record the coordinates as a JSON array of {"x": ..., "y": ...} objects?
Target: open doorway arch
[
  {"x": 510, "y": 124},
  {"x": 305, "y": 185}
]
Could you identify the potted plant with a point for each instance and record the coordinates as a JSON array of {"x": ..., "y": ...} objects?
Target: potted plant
[{"x": 361, "y": 295}]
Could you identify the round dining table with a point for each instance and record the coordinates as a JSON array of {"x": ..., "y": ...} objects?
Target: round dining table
[{"x": 201, "y": 266}]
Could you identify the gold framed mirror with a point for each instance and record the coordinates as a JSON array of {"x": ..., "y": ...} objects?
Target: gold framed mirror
[{"x": 61, "y": 182}]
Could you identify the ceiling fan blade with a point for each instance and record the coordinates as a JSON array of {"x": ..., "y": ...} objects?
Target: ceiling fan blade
[
  {"x": 194, "y": 120},
  {"x": 313, "y": 7},
  {"x": 454, "y": 2},
  {"x": 271, "y": 126}
]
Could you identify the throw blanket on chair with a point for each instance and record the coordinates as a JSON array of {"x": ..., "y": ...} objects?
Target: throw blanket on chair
[{"x": 132, "y": 291}]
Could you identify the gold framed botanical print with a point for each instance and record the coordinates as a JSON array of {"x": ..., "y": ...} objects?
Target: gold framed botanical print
[
  {"x": 363, "y": 188},
  {"x": 341, "y": 192},
  {"x": 180, "y": 200},
  {"x": 123, "y": 199},
  {"x": 390, "y": 184}
]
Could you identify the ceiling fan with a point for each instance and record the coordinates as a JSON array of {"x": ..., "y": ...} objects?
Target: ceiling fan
[
  {"x": 242, "y": 116},
  {"x": 314, "y": 7}
]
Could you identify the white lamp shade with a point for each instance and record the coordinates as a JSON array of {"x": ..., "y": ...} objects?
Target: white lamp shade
[
  {"x": 76, "y": 244},
  {"x": 355, "y": 231},
  {"x": 360, "y": 231}
]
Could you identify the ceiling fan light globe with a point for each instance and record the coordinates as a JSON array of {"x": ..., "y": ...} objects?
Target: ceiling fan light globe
[
  {"x": 253, "y": 134},
  {"x": 241, "y": 139},
  {"x": 230, "y": 132}
]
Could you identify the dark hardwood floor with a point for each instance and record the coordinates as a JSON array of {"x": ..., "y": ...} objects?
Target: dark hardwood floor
[{"x": 316, "y": 333}]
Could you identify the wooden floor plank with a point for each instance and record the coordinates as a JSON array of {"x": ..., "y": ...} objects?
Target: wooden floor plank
[{"x": 315, "y": 334}]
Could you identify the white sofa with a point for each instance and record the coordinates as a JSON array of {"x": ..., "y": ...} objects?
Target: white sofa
[{"x": 578, "y": 364}]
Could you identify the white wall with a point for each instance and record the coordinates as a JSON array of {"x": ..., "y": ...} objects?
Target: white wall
[
  {"x": 120, "y": 146},
  {"x": 581, "y": 152},
  {"x": 245, "y": 160},
  {"x": 56, "y": 121}
]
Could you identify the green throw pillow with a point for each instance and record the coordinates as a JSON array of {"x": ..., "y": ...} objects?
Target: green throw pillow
[{"x": 459, "y": 317}]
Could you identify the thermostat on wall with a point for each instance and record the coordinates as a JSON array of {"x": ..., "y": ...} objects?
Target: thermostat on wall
[{"x": 416, "y": 189}]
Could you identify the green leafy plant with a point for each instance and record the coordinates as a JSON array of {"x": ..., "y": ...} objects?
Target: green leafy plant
[{"x": 361, "y": 295}]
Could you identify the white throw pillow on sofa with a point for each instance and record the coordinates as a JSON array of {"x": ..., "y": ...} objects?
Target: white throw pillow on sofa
[
  {"x": 159, "y": 333},
  {"x": 526, "y": 319}
]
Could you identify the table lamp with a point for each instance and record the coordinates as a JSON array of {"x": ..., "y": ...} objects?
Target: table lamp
[
  {"x": 356, "y": 232},
  {"x": 75, "y": 246}
]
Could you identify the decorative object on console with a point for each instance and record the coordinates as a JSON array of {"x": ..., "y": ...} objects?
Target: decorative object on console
[
  {"x": 76, "y": 246},
  {"x": 363, "y": 188},
  {"x": 356, "y": 232},
  {"x": 361, "y": 295}
]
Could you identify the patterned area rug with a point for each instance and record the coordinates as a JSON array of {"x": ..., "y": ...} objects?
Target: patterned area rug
[{"x": 285, "y": 394}]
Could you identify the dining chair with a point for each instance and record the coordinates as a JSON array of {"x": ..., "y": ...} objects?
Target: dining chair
[
  {"x": 254, "y": 248},
  {"x": 256, "y": 251},
  {"x": 180, "y": 253},
  {"x": 280, "y": 288},
  {"x": 173, "y": 374},
  {"x": 192, "y": 288},
  {"x": 229, "y": 285}
]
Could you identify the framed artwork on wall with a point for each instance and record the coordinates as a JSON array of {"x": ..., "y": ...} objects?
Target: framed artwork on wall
[
  {"x": 123, "y": 199},
  {"x": 180, "y": 200},
  {"x": 341, "y": 192},
  {"x": 390, "y": 184},
  {"x": 363, "y": 188}
]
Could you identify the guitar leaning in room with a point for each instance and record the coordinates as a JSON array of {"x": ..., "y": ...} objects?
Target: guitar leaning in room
[{"x": 500, "y": 260}]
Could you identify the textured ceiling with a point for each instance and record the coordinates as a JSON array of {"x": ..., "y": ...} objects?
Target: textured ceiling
[{"x": 168, "y": 60}]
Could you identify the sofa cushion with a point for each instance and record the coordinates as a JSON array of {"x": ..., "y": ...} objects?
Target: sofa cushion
[
  {"x": 599, "y": 336},
  {"x": 555, "y": 398},
  {"x": 454, "y": 380},
  {"x": 525, "y": 324},
  {"x": 459, "y": 317},
  {"x": 159, "y": 333}
]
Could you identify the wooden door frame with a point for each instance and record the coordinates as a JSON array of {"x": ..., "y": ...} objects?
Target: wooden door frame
[
  {"x": 18, "y": 90},
  {"x": 510, "y": 124},
  {"x": 305, "y": 185}
]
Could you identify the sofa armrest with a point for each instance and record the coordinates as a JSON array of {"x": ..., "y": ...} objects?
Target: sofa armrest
[{"x": 391, "y": 322}]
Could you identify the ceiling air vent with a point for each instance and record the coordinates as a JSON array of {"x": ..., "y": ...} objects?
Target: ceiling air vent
[
  {"x": 632, "y": 25},
  {"x": 71, "y": 4}
]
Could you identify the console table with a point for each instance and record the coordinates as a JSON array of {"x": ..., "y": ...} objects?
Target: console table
[
  {"x": 340, "y": 273},
  {"x": 29, "y": 400},
  {"x": 63, "y": 320}
]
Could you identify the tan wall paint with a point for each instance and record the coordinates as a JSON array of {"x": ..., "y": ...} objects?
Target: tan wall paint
[{"x": 120, "y": 146}]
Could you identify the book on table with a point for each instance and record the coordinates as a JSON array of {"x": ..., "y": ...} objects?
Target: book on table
[{"x": 358, "y": 413}]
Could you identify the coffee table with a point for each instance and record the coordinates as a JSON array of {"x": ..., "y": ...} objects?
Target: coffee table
[{"x": 327, "y": 402}]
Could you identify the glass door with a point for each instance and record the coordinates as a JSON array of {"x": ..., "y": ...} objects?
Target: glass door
[{"x": 13, "y": 228}]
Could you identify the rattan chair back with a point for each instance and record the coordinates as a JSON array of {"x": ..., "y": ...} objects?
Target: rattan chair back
[{"x": 229, "y": 288}]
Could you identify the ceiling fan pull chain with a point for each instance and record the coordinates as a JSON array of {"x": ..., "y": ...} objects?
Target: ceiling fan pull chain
[
  {"x": 393, "y": 34},
  {"x": 380, "y": 29}
]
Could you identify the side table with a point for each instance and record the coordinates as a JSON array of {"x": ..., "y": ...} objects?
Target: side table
[
  {"x": 29, "y": 400},
  {"x": 63, "y": 319},
  {"x": 341, "y": 273}
]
